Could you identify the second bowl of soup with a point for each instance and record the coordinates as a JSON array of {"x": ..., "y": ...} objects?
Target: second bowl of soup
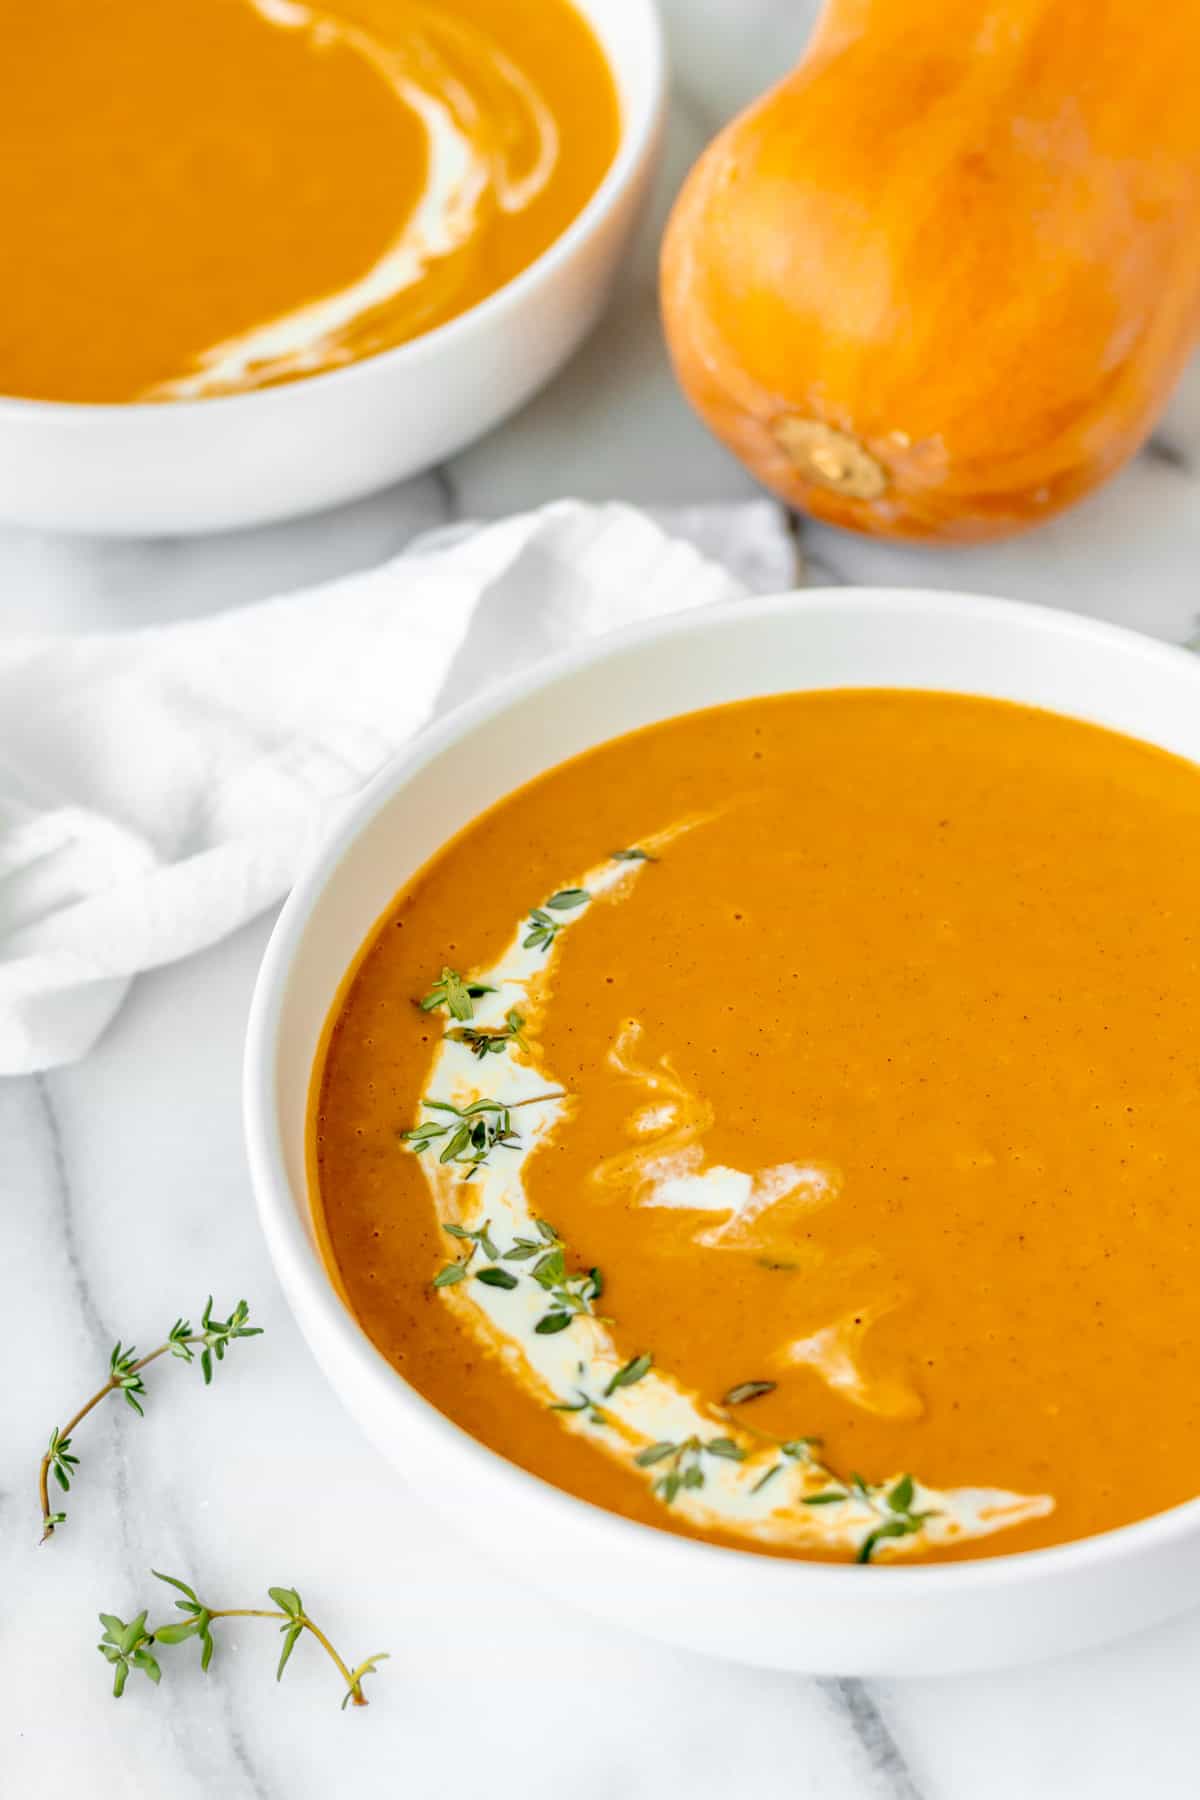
[{"x": 314, "y": 248}]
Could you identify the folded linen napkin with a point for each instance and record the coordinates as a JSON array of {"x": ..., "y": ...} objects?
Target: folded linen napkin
[{"x": 158, "y": 788}]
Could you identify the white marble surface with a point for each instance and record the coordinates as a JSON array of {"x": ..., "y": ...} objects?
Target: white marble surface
[{"x": 126, "y": 1200}]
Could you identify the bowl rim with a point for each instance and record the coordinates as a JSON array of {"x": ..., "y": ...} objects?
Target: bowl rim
[
  {"x": 638, "y": 135},
  {"x": 298, "y": 1262}
]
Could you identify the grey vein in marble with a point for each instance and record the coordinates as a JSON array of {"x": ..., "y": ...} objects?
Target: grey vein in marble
[
  {"x": 86, "y": 1308},
  {"x": 853, "y": 1700}
]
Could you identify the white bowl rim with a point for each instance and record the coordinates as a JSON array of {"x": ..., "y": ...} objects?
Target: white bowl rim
[
  {"x": 299, "y": 1262},
  {"x": 638, "y": 133}
]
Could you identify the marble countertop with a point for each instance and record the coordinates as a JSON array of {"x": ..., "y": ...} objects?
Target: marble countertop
[{"x": 127, "y": 1201}]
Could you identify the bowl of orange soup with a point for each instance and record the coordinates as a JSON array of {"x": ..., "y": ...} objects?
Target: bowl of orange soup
[
  {"x": 264, "y": 255},
  {"x": 725, "y": 1112}
]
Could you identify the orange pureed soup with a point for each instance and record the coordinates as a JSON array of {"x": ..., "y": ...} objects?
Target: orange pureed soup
[
  {"x": 205, "y": 196},
  {"x": 819, "y": 1172}
]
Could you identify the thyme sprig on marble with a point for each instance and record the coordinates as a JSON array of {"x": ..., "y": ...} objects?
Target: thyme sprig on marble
[
  {"x": 207, "y": 1345},
  {"x": 469, "y": 1134},
  {"x": 130, "y": 1646},
  {"x": 481, "y": 1041},
  {"x": 456, "y": 994},
  {"x": 543, "y": 928}
]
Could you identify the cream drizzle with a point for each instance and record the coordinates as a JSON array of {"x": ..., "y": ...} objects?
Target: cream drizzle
[
  {"x": 583, "y": 1359},
  {"x": 492, "y": 144}
]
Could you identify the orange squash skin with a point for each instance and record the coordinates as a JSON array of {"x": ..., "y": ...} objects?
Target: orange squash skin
[{"x": 939, "y": 283}]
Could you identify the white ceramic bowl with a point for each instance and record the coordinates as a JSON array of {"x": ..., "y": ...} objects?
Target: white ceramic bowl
[
  {"x": 209, "y": 465},
  {"x": 795, "y": 1615}
]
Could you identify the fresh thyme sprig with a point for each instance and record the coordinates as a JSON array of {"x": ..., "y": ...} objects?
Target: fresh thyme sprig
[
  {"x": 686, "y": 1462},
  {"x": 893, "y": 1506},
  {"x": 125, "y": 1377},
  {"x": 582, "y": 1403},
  {"x": 542, "y": 928},
  {"x": 794, "y": 1450},
  {"x": 571, "y": 1296},
  {"x": 470, "y": 1133},
  {"x": 130, "y": 1646},
  {"x": 455, "y": 994},
  {"x": 631, "y": 855},
  {"x": 483, "y": 1042},
  {"x": 479, "y": 1239},
  {"x": 523, "y": 1248}
]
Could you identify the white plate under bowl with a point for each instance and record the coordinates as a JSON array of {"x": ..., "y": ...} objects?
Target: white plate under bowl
[
  {"x": 893, "y": 1620},
  {"x": 210, "y": 465}
]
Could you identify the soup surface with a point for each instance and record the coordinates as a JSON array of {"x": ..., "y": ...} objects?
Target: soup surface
[
  {"x": 203, "y": 196},
  {"x": 861, "y": 1093}
]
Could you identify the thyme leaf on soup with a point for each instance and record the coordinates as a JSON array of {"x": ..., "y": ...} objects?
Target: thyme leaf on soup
[
  {"x": 570, "y": 1296},
  {"x": 543, "y": 927},
  {"x": 497, "y": 1278},
  {"x": 684, "y": 1463},
  {"x": 455, "y": 994},
  {"x": 130, "y": 1647},
  {"x": 683, "y": 1470},
  {"x": 631, "y": 855},
  {"x": 630, "y": 1374},
  {"x": 900, "y": 1498},
  {"x": 467, "y": 1135},
  {"x": 892, "y": 1506},
  {"x": 482, "y": 1042},
  {"x": 795, "y": 1450},
  {"x": 478, "y": 1239},
  {"x": 582, "y": 1402},
  {"x": 899, "y": 1519},
  {"x": 745, "y": 1391},
  {"x": 206, "y": 1345},
  {"x": 523, "y": 1248}
]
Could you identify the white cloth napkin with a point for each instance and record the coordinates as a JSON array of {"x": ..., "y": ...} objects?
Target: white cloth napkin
[{"x": 158, "y": 788}]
